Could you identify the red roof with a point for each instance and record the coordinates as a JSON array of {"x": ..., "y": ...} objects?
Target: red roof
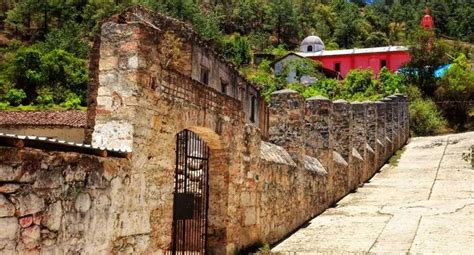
[{"x": 43, "y": 118}]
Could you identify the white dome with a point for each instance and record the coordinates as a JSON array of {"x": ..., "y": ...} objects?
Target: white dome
[{"x": 312, "y": 43}]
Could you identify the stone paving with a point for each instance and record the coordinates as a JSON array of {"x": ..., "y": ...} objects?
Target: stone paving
[{"x": 423, "y": 205}]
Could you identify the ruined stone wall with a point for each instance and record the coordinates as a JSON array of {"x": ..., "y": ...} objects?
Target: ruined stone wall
[
  {"x": 63, "y": 203},
  {"x": 141, "y": 105},
  {"x": 335, "y": 140},
  {"x": 318, "y": 151},
  {"x": 259, "y": 191}
]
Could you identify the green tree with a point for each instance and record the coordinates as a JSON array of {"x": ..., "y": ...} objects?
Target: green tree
[
  {"x": 456, "y": 91},
  {"x": 26, "y": 72},
  {"x": 426, "y": 55},
  {"x": 300, "y": 67},
  {"x": 391, "y": 83},
  {"x": 359, "y": 84},
  {"x": 284, "y": 22},
  {"x": 64, "y": 73},
  {"x": 237, "y": 49}
]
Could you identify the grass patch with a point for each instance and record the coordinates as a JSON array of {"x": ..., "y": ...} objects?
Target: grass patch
[{"x": 393, "y": 161}]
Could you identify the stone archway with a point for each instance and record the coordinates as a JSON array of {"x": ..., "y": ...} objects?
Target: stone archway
[
  {"x": 208, "y": 147},
  {"x": 191, "y": 194}
]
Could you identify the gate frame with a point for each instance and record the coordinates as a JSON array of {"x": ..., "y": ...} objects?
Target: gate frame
[{"x": 205, "y": 150}]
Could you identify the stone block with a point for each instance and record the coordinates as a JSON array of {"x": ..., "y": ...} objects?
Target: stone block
[
  {"x": 31, "y": 237},
  {"x": 113, "y": 134},
  {"x": 108, "y": 63},
  {"x": 25, "y": 221},
  {"x": 247, "y": 199},
  {"x": 250, "y": 216},
  {"x": 134, "y": 223},
  {"x": 9, "y": 188},
  {"x": 48, "y": 179},
  {"x": 28, "y": 204},
  {"x": 7, "y": 209},
  {"x": 52, "y": 217},
  {"x": 83, "y": 203},
  {"x": 8, "y": 234},
  {"x": 8, "y": 173}
]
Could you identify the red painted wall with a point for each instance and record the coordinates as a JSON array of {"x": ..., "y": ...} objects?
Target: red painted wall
[{"x": 363, "y": 61}]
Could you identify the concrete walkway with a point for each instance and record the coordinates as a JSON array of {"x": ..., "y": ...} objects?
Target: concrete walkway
[{"x": 424, "y": 205}]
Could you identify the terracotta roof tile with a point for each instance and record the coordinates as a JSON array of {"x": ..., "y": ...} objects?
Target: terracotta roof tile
[{"x": 43, "y": 118}]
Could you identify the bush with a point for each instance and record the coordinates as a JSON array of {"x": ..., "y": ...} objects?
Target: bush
[
  {"x": 73, "y": 101},
  {"x": 391, "y": 83},
  {"x": 4, "y": 105},
  {"x": 359, "y": 85},
  {"x": 425, "y": 118},
  {"x": 15, "y": 96},
  {"x": 456, "y": 90},
  {"x": 413, "y": 93},
  {"x": 237, "y": 49},
  {"x": 45, "y": 97},
  {"x": 27, "y": 108}
]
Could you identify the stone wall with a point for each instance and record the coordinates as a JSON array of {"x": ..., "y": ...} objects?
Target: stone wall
[
  {"x": 259, "y": 189},
  {"x": 62, "y": 203},
  {"x": 319, "y": 151}
]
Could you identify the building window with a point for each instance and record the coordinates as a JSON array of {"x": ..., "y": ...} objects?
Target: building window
[
  {"x": 252, "y": 109},
  {"x": 337, "y": 67},
  {"x": 383, "y": 63},
  {"x": 235, "y": 91},
  {"x": 224, "y": 87},
  {"x": 204, "y": 75},
  {"x": 310, "y": 48}
]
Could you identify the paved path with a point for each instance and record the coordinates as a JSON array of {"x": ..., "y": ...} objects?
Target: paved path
[{"x": 424, "y": 205}]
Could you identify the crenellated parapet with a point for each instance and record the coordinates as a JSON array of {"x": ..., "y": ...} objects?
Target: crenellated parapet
[
  {"x": 287, "y": 122},
  {"x": 351, "y": 140}
]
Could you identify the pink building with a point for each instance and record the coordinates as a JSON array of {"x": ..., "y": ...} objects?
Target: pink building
[{"x": 342, "y": 61}]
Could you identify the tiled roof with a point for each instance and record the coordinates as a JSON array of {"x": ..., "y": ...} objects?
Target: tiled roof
[
  {"x": 21, "y": 141},
  {"x": 353, "y": 51},
  {"x": 43, "y": 118}
]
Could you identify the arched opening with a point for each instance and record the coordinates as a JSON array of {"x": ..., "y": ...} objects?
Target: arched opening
[
  {"x": 191, "y": 194},
  {"x": 310, "y": 48}
]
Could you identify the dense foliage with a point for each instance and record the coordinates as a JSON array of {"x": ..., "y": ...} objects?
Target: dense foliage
[{"x": 44, "y": 45}]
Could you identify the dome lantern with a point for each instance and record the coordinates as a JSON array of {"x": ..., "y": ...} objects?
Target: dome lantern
[{"x": 312, "y": 43}]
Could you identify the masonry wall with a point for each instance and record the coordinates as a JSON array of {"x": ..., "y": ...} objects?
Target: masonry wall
[
  {"x": 259, "y": 189},
  {"x": 62, "y": 203},
  {"x": 318, "y": 152}
]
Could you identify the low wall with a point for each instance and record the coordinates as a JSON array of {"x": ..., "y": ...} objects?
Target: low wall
[
  {"x": 61, "y": 203},
  {"x": 319, "y": 152}
]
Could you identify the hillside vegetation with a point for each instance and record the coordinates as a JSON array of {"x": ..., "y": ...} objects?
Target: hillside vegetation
[{"x": 44, "y": 45}]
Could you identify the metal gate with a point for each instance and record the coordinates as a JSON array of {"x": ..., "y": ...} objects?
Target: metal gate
[{"x": 190, "y": 194}]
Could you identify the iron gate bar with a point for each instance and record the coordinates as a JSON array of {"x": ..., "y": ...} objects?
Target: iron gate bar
[{"x": 191, "y": 199}]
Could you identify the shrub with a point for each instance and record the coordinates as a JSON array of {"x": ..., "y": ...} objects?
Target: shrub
[
  {"x": 413, "y": 93},
  {"x": 456, "y": 90},
  {"x": 73, "y": 101},
  {"x": 359, "y": 85},
  {"x": 4, "y": 105},
  {"x": 15, "y": 96},
  {"x": 45, "y": 97},
  {"x": 391, "y": 83},
  {"x": 237, "y": 49},
  {"x": 425, "y": 118},
  {"x": 27, "y": 108}
]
